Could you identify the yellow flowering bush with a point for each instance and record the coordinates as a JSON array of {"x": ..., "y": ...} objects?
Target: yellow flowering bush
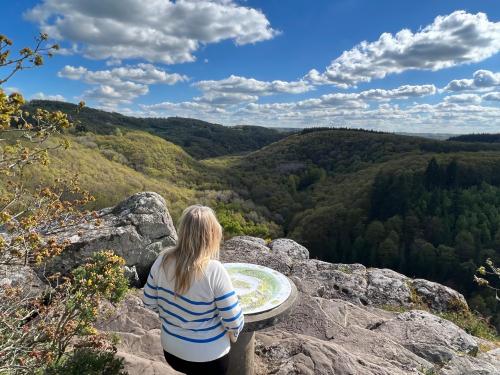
[
  {"x": 36, "y": 333},
  {"x": 42, "y": 332}
]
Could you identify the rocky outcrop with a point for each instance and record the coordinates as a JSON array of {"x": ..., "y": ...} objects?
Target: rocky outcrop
[
  {"x": 137, "y": 229},
  {"x": 343, "y": 322},
  {"x": 351, "y": 282}
]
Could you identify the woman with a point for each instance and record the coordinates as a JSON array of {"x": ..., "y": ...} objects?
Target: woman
[{"x": 193, "y": 295}]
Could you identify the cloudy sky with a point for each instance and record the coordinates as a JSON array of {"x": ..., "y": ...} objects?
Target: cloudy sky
[{"x": 397, "y": 65}]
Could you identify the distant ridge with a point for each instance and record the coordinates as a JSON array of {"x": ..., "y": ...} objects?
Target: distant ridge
[
  {"x": 199, "y": 138},
  {"x": 479, "y": 137}
]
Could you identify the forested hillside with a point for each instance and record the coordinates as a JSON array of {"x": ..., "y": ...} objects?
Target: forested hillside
[
  {"x": 426, "y": 208},
  {"x": 115, "y": 166},
  {"x": 198, "y": 138},
  {"x": 483, "y": 137}
]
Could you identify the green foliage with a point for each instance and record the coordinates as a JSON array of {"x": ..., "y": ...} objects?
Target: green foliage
[
  {"x": 235, "y": 224},
  {"x": 89, "y": 362}
]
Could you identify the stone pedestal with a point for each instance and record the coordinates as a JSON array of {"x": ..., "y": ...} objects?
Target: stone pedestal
[
  {"x": 242, "y": 354},
  {"x": 241, "y": 357}
]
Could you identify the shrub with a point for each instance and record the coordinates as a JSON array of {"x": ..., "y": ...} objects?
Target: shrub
[{"x": 89, "y": 362}]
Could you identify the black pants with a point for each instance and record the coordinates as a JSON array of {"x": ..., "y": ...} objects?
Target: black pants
[{"x": 217, "y": 367}]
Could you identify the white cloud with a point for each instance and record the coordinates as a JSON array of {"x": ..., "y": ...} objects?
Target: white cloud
[
  {"x": 454, "y": 39},
  {"x": 368, "y": 109},
  {"x": 121, "y": 84},
  {"x": 140, "y": 73},
  {"x": 463, "y": 98},
  {"x": 481, "y": 79},
  {"x": 402, "y": 92},
  {"x": 119, "y": 93},
  {"x": 243, "y": 85},
  {"x": 492, "y": 96},
  {"x": 158, "y": 31},
  {"x": 43, "y": 96},
  {"x": 222, "y": 98}
]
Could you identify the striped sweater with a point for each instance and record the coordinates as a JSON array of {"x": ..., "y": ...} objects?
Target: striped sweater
[{"x": 194, "y": 325}]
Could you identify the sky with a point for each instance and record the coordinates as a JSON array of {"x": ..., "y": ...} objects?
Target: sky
[{"x": 392, "y": 65}]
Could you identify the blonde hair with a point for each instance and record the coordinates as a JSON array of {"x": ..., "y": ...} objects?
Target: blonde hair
[{"x": 199, "y": 235}]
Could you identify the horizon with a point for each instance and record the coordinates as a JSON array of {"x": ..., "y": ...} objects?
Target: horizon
[{"x": 421, "y": 68}]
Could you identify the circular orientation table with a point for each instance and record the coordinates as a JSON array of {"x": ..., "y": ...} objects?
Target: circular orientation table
[{"x": 242, "y": 354}]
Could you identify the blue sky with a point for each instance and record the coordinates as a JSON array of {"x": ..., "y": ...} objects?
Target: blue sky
[{"x": 426, "y": 66}]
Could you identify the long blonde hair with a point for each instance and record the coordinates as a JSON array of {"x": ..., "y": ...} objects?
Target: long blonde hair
[{"x": 199, "y": 235}]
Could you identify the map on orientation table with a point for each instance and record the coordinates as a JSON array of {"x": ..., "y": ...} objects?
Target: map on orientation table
[{"x": 259, "y": 288}]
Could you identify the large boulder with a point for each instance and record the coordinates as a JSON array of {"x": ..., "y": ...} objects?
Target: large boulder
[
  {"x": 137, "y": 229},
  {"x": 290, "y": 248}
]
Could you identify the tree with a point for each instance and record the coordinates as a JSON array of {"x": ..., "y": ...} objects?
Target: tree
[
  {"x": 388, "y": 251},
  {"x": 433, "y": 174},
  {"x": 37, "y": 331},
  {"x": 465, "y": 246}
]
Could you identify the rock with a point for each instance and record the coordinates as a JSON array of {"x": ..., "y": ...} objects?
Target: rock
[
  {"x": 429, "y": 336},
  {"x": 438, "y": 297},
  {"x": 139, "y": 334},
  {"x": 387, "y": 287},
  {"x": 251, "y": 250},
  {"x": 131, "y": 275},
  {"x": 23, "y": 277},
  {"x": 290, "y": 353},
  {"x": 484, "y": 364},
  {"x": 290, "y": 248},
  {"x": 137, "y": 229}
]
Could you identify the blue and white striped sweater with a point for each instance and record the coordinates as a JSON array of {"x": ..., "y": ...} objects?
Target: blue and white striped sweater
[{"x": 195, "y": 324}]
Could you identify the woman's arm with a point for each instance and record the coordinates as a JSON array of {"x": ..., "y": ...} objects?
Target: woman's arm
[
  {"x": 150, "y": 292},
  {"x": 227, "y": 303}
]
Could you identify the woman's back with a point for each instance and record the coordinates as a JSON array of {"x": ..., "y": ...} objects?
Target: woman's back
[{"x": 194, "y": 323}]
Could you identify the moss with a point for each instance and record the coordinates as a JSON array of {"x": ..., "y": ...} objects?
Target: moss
[
  {"x": 458, "y": 305},
  {"x": 345, "y": 269}
]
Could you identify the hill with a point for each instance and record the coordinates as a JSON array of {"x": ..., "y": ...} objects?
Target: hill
[
  {"x": 483, "y": 137},
  {"x": 113, "y": 167},
  {"x": 198, "y": 138},
  {"x": 426, "y": 208}
]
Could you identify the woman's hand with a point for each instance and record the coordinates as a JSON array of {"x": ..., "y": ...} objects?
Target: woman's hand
[{"x": 232, "y": 336}]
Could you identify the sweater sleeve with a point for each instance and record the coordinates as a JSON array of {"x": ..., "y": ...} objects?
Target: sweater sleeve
[
  {"x": 227, "y": 302},
  {"x": 150, "y": 292}
]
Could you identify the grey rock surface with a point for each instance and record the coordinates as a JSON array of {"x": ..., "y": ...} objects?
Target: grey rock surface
[
  {"x": 139, "y": 332},
  {"x": 289, "y": 247},
  {"x": 22, "y": 277},
  {"x": 429, "y": 336},
  {"x": 137, "y": 229}
]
